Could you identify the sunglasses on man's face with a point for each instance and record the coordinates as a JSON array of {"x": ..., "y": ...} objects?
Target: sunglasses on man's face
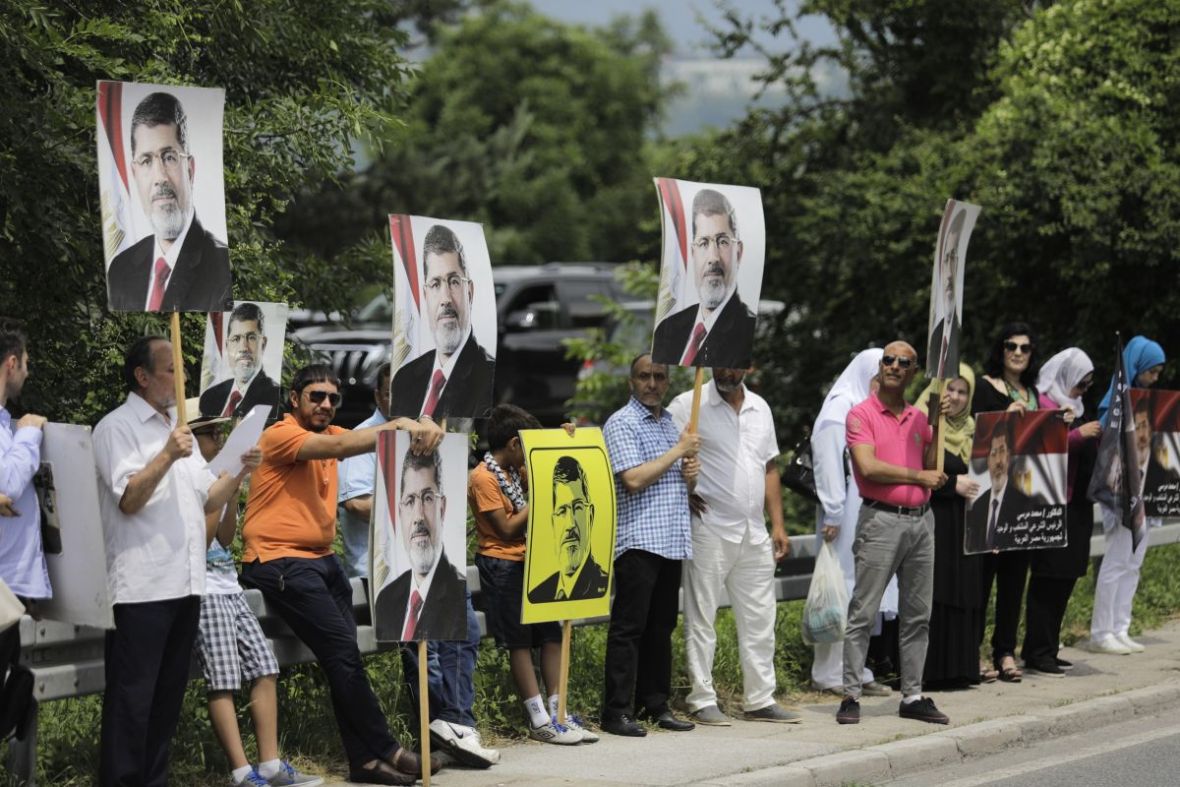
[
  {"x": 902, "y": 361},
  {"x": 318, "y": 397},
  {"x": 1012, "y": 347}
]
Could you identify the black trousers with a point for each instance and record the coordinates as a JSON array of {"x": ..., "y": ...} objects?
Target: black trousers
[
  {"x": 314, "y": 598},
  {"x": 1044, "y": 611},
  {"x": 639, "y": 641},
  {"x": 1010, "y": 571},
  {"x": 147, "y": 668}
]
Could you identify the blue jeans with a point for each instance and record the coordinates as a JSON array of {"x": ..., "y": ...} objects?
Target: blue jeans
[{"x": 450, "y": 668}]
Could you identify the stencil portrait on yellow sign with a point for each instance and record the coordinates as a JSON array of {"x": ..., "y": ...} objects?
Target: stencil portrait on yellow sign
[{"x": 571, "y": 529}]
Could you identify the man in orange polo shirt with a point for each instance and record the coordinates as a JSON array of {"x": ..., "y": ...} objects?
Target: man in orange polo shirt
[{"x": 289, "y": 529}]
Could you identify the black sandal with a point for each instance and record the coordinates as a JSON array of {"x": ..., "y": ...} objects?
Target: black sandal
[{"x": 1011, "y": 674}]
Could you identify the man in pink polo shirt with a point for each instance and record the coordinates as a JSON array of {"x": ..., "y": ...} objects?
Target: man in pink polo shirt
[{"x": 893, "y": 450}]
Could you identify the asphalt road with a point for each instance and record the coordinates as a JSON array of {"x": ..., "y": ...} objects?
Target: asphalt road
[{"x": 1142, "y": 752}]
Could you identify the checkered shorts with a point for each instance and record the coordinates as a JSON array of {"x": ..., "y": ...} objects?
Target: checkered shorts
[{"x": 230, "y": 643}]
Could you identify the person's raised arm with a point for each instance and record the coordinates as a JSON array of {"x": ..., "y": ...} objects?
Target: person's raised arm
[
  {"x": 226, "y": 485},
  {"x": 508, "y": 527},
  {"x": 142, "y": 485},
  {"x": 640, "y": 477},
  {"x": 360, "y": 506},
  {"x": 880, "y": 472},
  {"x": 222, "y": 525},
  {"x": 425, "y": 435}
]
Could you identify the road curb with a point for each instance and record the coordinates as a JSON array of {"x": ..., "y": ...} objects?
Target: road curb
[{"x": 912, "y": 755}]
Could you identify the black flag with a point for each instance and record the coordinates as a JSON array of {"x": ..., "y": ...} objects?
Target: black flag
[{"x": 1116, "y": 482}]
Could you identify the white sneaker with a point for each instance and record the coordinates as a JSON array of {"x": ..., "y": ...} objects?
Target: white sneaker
[
  {"x": 462, "y": 743},
  {"x": 1109, "y": 644},
  {"x": 574, "y": 722},
  {"x": 1129, "y": 643},
  {"x": 552, "y": 732}
]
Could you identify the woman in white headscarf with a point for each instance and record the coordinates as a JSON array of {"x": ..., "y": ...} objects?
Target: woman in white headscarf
[
  {"x": 839, "y": 506},
  {"x": 1062, "y": 381}
]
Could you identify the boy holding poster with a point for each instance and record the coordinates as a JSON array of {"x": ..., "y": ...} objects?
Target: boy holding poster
[{"x": 496, "y": 495}]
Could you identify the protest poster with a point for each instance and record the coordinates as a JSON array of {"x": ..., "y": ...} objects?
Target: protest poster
[
  {"x": 571, "y": 530},
  {"x": 1156, "y": 418},
  {"x": 418, "y": 540},
  {"x": 444, "y": 318},
  {"x": 72, "y": 529},
  {"x": 713, "y": 248},
  {"x": 946, "y": 288},
  {"x": 243, "y": 359},
  {"x": 1117, "y": 482},
  {"x": 1019, "y": 461},
  {"x": 162, "y": 194}
]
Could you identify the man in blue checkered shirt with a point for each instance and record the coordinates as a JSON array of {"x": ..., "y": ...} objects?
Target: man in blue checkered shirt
[{"x": 655, "y": 467}]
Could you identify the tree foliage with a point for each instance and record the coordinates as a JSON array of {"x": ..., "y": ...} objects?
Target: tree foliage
[
  {"x": 532, "y": 127},
  {"x": 301, "y": 83}
]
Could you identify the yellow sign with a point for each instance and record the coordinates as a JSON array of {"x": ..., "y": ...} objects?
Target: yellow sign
[{"x": 571, "y": 530}]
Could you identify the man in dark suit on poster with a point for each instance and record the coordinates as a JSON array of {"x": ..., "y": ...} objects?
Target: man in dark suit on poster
[
  {"x": 455, "y": 378},
  {"x": 181, "y": 266},
  {"x": 245, "y": 344},
  {"x": 578, "y": 576},
  {"x": 428, "y": 601},
  {"x": 943, "y": 349},
  {"x": 1000, "y": 504},
  {"x": 717, "y": 331}
]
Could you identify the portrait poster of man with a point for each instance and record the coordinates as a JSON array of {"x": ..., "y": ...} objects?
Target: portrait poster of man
[
  {"x": 444, "y": 318},
  {"x": 571, "y": 529},
  {"x": 714, "y": 244},
  {"x": 1019, "y": 462},
  {"x": 418, "y": 540},
  {"x": 946, "y": 287},
  {"x": 243, "y": 360},
  {"x": 162, "y": 195},
  {"x": 1156, "y": 418}
]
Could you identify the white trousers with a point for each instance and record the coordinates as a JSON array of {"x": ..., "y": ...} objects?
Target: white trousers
[
  {"x": 745, "y": 571},
  {"x": 1114, "y": 590}
]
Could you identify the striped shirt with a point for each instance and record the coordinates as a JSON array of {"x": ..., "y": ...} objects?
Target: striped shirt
[{"x": 655, "y": 519}]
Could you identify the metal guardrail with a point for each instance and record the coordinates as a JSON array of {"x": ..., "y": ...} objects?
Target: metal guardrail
[{"x": 67, "y": 660}]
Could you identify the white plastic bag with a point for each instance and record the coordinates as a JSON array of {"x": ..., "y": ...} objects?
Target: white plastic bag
[{"x": 825, "y": 613}]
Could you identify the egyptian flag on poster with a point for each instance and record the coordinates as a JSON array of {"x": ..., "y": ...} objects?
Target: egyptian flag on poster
[
  {"x": 675, "y": 245},
  {"x": 1116, "y": 483},
  {"x": 115, "y": 197},
  {"x": 406, "y": 289}
]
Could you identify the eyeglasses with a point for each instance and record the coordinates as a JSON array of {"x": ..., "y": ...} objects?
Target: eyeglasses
[
  {"x": 454, "y": 283},
  {"x": 169, "y": 158},
  {"x": 722, "y": 241},
  {"x": 427, "y": 497},
  {"x": 902, "y": 361},
  {"x": 1012, "y": 347},
  {"x": 318, "y": 397}
]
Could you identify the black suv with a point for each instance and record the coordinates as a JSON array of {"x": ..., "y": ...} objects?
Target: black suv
[{"x": 537, "y": 308}]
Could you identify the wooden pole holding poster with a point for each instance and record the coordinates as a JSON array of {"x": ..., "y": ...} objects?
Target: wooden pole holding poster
[
  {"x": 563, "y": 679},
  {"x": 424, "y": 711},
  {"x": 178, "y": 370},
  {"x": 695, "y": 415},
  {"x": 934, "y": 405}
]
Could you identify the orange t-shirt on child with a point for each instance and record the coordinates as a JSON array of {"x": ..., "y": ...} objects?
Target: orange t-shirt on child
[{"x": 484, "y": 495}]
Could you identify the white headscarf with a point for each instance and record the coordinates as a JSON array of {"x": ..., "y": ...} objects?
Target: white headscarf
[
  {"x": 851, "y": 388},
  {"x": 1061, "y": 373}
]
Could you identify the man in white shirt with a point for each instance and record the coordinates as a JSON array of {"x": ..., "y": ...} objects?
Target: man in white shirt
[
  {"x": 731, "y": 548},
  {"x": 154, "y": 493}
]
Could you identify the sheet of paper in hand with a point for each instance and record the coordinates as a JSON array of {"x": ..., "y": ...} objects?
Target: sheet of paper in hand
[
  {"x": 1157, "y": 435},
  {"x": 946, "y": 288},
  {"x": 243, "y": 359},
  {"x": 571, "y": 530},
  {"x": 1019, "y": 461},
  {"x": 714, "y": 244},
  {"x": 418, "y": 540},
  {"x": 162, "y": 192},
  {"x": 444, "y": 318}
]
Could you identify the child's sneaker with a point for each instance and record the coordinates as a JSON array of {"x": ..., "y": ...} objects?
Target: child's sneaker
[
  {"x": 575, "y": 723},
  {"x": 252, "y": 779},
  {"x": 289, "y": 777},
  {"x": 552, "y": 732}
]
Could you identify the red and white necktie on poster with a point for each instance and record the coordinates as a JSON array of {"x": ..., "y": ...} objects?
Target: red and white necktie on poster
[
  {"x": 162, "y": 273},
  {"x": 232, "y": 405},
  {"x": 694, "y": 345},
  {"x": 436, "y": 386},
  {"x": 412, "y": 618}
]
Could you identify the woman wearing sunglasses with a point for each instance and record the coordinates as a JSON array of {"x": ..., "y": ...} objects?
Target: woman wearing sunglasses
[
  {"x": 956, "y": 615},
  {"x": 1063, "y": 380},
  {"x": 1008, "y": 384},
  {"x": 1143, "y": 360}
]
